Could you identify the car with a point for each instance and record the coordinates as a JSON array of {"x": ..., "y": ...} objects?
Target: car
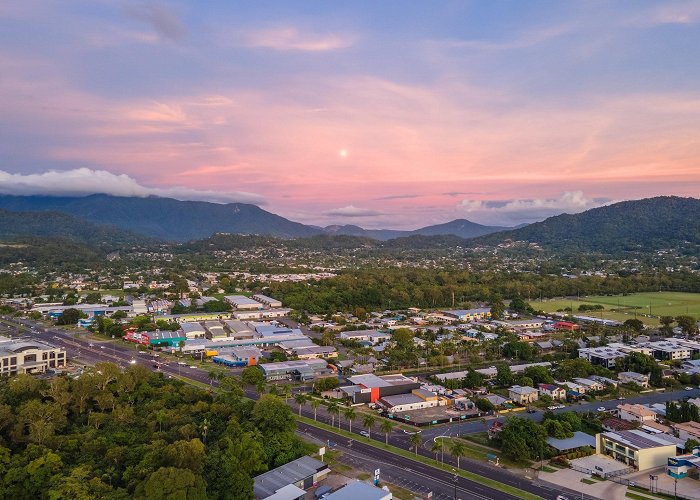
[
  {"x": 102, "y": 347},
  {"x": 91, "y": 345},
  {"x": 133, "y": 361},
  {"x": 602, "y": 408},
  {"x": 688, "y": 388},
  {"x": 193, "y": 367},
  {"x": 621, "y": 398},
  {"x": 181, "y": 363},
  {"x": 552, "y": 407},
  {"x": 406, "y": 431},
  {"x": 531, "y": 410},
  {"x": 562, "y": 497},
  {"x": 364, "y": 433}
]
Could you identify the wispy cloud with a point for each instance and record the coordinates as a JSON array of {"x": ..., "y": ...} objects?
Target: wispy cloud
[
  {"x": 289, "y": 38},
  {"x": 529, "y": 210},
  {"x": 399, "y": 197},
  {"x": 86, "y": 181},
  {"x": 162, "y": 19},
  {"x": 525, "y": 40},
  {"x": 352, "y": 211}
]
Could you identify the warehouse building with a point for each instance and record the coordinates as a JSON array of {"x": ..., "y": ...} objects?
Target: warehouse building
[
  {"x": 238, "y": 329},
  {"x": 238, "y": 356},
  {"x": 303, "y": 370},
  {"x": 373, "y": 337},
  {"x": 215, "y": 330},
  {"x": 268, "y": 301},
  {"x": 416, "y": 400},
  {"x": 370, "y": 388},
  {"x": 303, "y": 473},
  {"x": 193, "y": 330},
  {"x": 480, "y": 313},
  {"x": 242, "y": 303}
]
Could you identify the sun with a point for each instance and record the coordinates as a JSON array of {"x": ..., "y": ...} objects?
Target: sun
[{"x": 343, "y": 153}]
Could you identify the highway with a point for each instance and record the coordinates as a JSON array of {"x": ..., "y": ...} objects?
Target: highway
[{"x": 405, "y": 472}]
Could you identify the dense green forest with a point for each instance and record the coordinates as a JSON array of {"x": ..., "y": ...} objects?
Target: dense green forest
[
  {"x": 392, "y": 288},
  {"x": 134, "y": 434}
]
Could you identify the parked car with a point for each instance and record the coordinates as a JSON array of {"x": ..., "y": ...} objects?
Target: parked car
[
  {"x": 602, "y": 408},
  {"x": 531, "y": 410},
  {"x": 688, "y": 388},
  {"x": 192, "y": 366},
  {"x": 364, "y": 433}
]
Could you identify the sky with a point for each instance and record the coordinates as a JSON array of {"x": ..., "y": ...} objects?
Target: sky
[{"x": 388, "y": 114}]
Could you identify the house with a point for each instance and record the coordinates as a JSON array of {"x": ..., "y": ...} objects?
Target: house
[
  {"x": 373, "y": 337},
  {"x": 616, "y": 424},
  {"x": 604, "y": 380},
  {"x": 634, "y": 378},
  {"x": 497, "y": 400},
  {"x": 590, "y": 385},
  {"x": 523, "y": 395},
  {"x": 635, "y": 413},
  {"x": 687, "y": 430},
  {"x": 573, "y": 386},
  {"x": 303, "y": 473},
  {"x": 635, "y": 448},
  {"x": 553, "y": 391}
]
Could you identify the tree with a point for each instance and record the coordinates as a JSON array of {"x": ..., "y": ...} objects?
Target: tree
[
  {"x": 368, "y": 421},
  {"x": 70, "y": 316},
  {"x": 688, "y": 324},
  {"x": 270, "y": 415},
  {"x": 350, "y": 415},
  {"x": 252, "y": 375},
  {"x": 315, "y": 403},
  {"x": 538, "y": 374},
  {"x": 522, "y": 438},
  {"x": 333, "y": 410},
  {"x": 484, "y": 404},
  {"x": 634, "y": 324},
  {"x": 473, "y": 379},
  {"x": 497, "y": 308},
  {"x": 170, "y": 483},
  {"x": 300, "y": 399},
  {"x": 504, "y": 376},
  {"x": 457, "y": 450},
  {"x": 386, "y": 426},
  {"x": 415, "y": 441},
  {"x": 691, "y": 444},
  {"x": 436, "y": 447}
]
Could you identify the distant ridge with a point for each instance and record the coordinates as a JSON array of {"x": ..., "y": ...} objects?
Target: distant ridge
[
  {"x": 173, "y": 220},
  {"x": 647, "y": 225}
]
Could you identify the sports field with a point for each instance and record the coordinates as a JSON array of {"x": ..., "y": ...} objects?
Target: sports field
[{"x": 647, "y": 306}]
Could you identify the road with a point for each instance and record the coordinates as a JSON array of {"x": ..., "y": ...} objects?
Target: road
[{"x": 405, "y": 472}]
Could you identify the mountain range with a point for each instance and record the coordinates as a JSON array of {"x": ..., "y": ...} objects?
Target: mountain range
[
  {"x": 104, "y": 222},
  {"x": 173, "y": 220}
]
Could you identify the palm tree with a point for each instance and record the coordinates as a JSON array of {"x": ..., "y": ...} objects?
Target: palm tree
[
  {"x": 386, "y": 427},
  {"x": 368, "y": 421},
  {"x": 287, "y": 391},
  {"x": 457, "y": 449},
  {"x": 416, "y": 441},
  {"x": 300, "y": 399},
  {"x": 350, "y": 415},
  {"x": 212, "y": 374},
  {"x": 315, "y": 403},
  {"x": 436, "y": 448},
  {"x": 333, "y": 410}
]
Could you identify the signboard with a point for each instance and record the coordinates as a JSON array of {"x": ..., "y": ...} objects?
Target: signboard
[
  {"x": 322, "y": 450},
  {"x": 376, "y": 476}
]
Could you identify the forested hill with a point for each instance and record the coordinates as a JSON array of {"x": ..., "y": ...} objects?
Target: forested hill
[
  {"x": 641, "y": 225},
  {"x": 22, "y": 225},
  {"x": 165, "y": 218}
]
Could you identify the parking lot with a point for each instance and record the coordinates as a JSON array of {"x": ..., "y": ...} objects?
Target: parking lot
[{"x": 435, "y": 415}]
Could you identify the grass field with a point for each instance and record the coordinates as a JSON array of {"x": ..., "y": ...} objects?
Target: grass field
[{"x": 646, "y": 306}]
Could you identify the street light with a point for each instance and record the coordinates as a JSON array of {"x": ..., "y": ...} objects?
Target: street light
[{"x": 455, "y": 482}]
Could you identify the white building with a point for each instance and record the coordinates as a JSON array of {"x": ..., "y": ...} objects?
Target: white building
[
  {"x": 193, "y": 330},
  {"x": 29, "y": 356},
  {"x": 268, "y": 301},
  {"x": 241, "y": 302},
  {"x": 635, "y": 378},
  {"x": 523, "y": 395}
]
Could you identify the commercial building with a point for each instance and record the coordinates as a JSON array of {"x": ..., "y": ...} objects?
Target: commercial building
[
  {"x": 261, "y": 314},
  {"x": 303, "y": 473},
  {"x": 370, "y": 388},
  {"x": 374, "y": 337},
  {"x": 215, "y": 329},
  {"x": 296, "y": 370},
  {"x": 523, "y": 395},
  {"x": 193, "y": 330},
  {"x": 241, "y": 302},
  {"x": 29, "y": 356},
  {"x": 359, "y": 490},
  {"x": 238, "y": 356},
  {"x": 158, "y": 338},
  {"x": 238, "y": 329},
  {"x": 604, "y": 356},
  {"x": 635, "y": 448},
  {"x": 54, "y": 311},
  {"x": 489, "y": 372},
  {"x": 480, "y": 313},
  {"x": 416, "y": 400},
  {"x": 268, "y": 301},
  {"x": 634, "y": 378},
  {"x": 684, "y": 465}
]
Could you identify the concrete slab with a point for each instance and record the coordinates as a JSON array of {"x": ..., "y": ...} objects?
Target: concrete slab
[
  {"x": 602, "y": 464},
  {"x": 687, "y": 487},
  {"x": 571, "y": 479}
]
